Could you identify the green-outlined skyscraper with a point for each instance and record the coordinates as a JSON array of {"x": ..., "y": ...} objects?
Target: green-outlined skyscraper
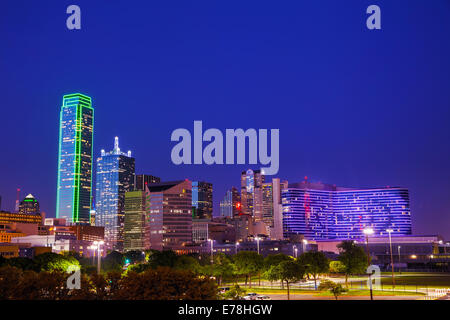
[{"x": 76, "y": 128}]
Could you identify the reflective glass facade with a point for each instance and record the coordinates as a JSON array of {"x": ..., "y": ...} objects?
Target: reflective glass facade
[
  {"x": 73, "y": 201},
  {"x": 115, "y": 176},
  {"x": 344, "y": 213},
  {"x": 202, "y": 203}
]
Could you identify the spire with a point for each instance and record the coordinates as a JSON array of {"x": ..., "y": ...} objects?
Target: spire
[{"x": 116, "y": 145}]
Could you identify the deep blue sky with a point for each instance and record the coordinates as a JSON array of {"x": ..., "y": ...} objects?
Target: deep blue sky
[{"x": 355, "y": 108}]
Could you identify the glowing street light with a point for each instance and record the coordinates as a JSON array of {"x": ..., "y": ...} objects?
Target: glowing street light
[
  {"x": 98, "y": 244},
  {"x": 257, "y": 242},
  {"x": 389, "y": 231},
  {"x": 295, "y": 251},
  {"x": 212, "y": 250},
  {"x": 369, "y": 231},
  {"x": 237, "y": 244},
  {"x": 93, "y": 248},
  {"x": 305, "y": 242}
]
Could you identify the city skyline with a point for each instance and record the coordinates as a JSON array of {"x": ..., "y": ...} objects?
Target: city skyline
[{"x": 354, "y": 107}]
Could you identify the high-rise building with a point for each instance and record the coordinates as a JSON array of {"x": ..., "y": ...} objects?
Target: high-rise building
[
  {"x": 170, "y": 214},
  {"x": 141, "y": 180},
  {"x": 251, "y": 193},
  {"x": 29, "y": 205},
  {"x": 229, "y": 206},
  {"x": 319, "y": 211},
  {"x": 115, "y": 176},
  {"x": 276, "y": 230},
  {"x": 202, "y": 203},
  {"x": 136, "y": 213},
  {"x": 76, "y": 127}
]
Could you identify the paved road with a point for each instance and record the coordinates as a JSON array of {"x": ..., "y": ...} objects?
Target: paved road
[{"x": 313, "y": 297}]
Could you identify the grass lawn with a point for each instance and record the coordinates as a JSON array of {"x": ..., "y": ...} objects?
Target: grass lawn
[
  {"x": 328, "y": 293},
  {"x": 432, "y": 280}
]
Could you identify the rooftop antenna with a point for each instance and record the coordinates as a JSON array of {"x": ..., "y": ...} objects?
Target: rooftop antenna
[
  {"x": 116, "y": 145},
  {"x": 16, "y": 208}
]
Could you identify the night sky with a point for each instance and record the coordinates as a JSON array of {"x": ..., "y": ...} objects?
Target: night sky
[{"x": 355, "y": 108}]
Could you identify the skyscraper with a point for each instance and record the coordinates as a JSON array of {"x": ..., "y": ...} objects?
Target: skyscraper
[
  {"x": 115, "y": 176},
  {"x": 29, "y": 205},
  {"x": 320, "y": 211},
  {"x": 141, "y": 180},
  {"x": 251, "y": 193},
  {"x": 229, "y": 204},
  {"x": 136, "y": 213},
  {"x": 202, "y": 203},
  {"x": 170, "y": 215},
  {"x": 76, "y": 127}
]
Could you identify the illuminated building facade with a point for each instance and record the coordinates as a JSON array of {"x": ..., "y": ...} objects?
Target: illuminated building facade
[
  {"x": 115, "y": 176},
  {"x": 11, "y": 217},
  {"x": 141, "y": 180},
  {"x": 319, "y": 211},
  {"x": 29, "y": 205},
  {"x": 202, "y": 203},
  {"x": 135, "y": 220},
  {"x": 251, "y": 193},
  {"x": 170, "y": 215},
  {"x": 73, "y": 201},
  {"x": 229, "y": 206}
]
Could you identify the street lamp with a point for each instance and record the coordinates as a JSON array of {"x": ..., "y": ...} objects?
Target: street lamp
[
  {"x": 305, "y": 242},
  {"x": 98, "y": 244},
  {"x": 93, "y": 248},
  {"x": 237, "y": 244},
  {"x": 295, "y": 251},
  {"x": 399, "y": 259},
  {"x": 389, "y": 231},
  {"x": 257, "y": 242},
  {"x": 367, "y": 232},
  {"x": 212, "y": 250}
]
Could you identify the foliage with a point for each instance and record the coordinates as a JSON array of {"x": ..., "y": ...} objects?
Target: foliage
[
  {"x": 187, "y": 263},
  {"x": 135, "y": 256},
  {"x": 162, "y": 259},
  {"x": 315, "y": 263},
  {"x": 235, "y": 293},
  {"x": 335, "y": 288},
  {"x": 286, "y": 271},
  {"x": 274, "y": 260},
  {"x": 113, "y": 262},
  {"x": 221, "y": 268},
  {"x": 337, "y": 267},
  {"x": 50, "y": 261},
  {"x": 353, "y": 258},
  {"x": 248, "y": 263}
]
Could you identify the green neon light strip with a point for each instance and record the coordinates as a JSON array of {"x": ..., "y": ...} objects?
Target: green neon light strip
[
  {"x": 59, "y": 161},
  {"x": 77, "y": 167}
]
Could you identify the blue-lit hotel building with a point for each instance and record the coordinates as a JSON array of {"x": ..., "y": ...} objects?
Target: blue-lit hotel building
[
  {"x": 74, "y": 185},
  {"x": 319, "y": 211},
  {"x": 115, "y": 176}
]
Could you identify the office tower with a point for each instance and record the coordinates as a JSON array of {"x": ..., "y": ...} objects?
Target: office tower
[
  {"x": 135, "y": 221},
  {"x": 229, "y": 206},
  {"x": 92, "y": 221},
  {"x": 115, "y": 176},
  {"x": 320, "y": 211},
  {"x": 76, "y": 129},
  {"x": 202, "y": 193},
  {"x": 170, "y": 214},
  {"x": 251, "y": 193},
  {"x": 29, "y": 205},
  {"x": 141, "y": 180},
  {"x": 276, "y": 230},
  {"x": 12, "y": 217}
]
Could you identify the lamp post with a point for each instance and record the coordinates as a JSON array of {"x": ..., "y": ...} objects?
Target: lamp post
[
  {"x": 212, "y": 250},
  {"x": 237, "y": 244},
  {"x": 295, "y": 251},
  {"x": 389, "y": 231},
  {"x": 257, "y": 242},
  {"x": 305, "y": 242},
  {"x": 93, "y": 248},
  {"x": 98, "y": 244},
  {"x": 367, "y": 232},
  {"x": 399, "y": 259}
]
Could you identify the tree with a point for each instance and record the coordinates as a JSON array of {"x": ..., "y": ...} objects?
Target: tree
[
  {"x": 337, "y": 267},
  {"x": 165, "y": 283},
  {"x": 353, "y": 258},
  {"x": 9, "y": 277},
  {"x": 50, "y": 261},
  {"x": 275, "y": 259},
  {"x": 23, "y": 263},
  {"x": 162, "y": 258},
  {"x": 335, "y": 288},
  {"x": 135, "y": 256},
  {"x": 288, "y": 272},
  {"x": 248, "y": 263},
  {"x": 222, "y": 267},
  {"x": 187, "y": 263},
  {"x": 314, "y": 263},
  {"x": 235, "y": 293},
  {"x": 113, "y": 262}
]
